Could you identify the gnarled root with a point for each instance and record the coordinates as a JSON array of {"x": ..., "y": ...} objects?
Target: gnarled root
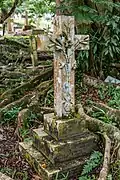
[
  {"x": 29, "y": 85},
  {"x": 95, "y": 125},
  {"x": 111, "y": 112},
  {"x": 106, "y": 162},
  {"x": 30, "y": 100},
  {"x": 111, "y": 135}
]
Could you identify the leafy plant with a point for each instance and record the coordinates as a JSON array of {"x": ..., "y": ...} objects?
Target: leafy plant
[
  {"x": 49, "y": 99},
  {"x": 24, "y": 133},
  {"x": 109, "y": 177},
  {"x": 102, "y": 115},
  {"x": 62, "y": 176},
  {"x": 14, "y": 173},
  {"x": 7, "y": 171},
  {"x": 10, "y": 115},
  {"x": 115, "y": 99},
  {"x": 115, "y": 169},
  {"x": 94, "y": 161},
  {"x": 27, "y": 124},
  {"x": 112, "y": 93},
  {"x": 29, "y": 120},
  {"x": 86, "y": 178},
  {"x": 100, "y": 19},
  {"x": 23, "y": 175}
]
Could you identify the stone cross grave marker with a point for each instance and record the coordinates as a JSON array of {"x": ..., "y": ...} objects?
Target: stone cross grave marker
[{"x": 65, "y": 43}]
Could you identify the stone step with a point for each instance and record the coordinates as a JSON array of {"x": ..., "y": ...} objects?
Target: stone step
[
  {"x": 60, "y": 151},
  {"x": 63, "y": 129},
  {"x": 45, "y": 169}
]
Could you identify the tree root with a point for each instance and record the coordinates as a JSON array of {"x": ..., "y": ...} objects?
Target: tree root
[
  {"x": 95, "y": 125},
  {"x": 9, "y": 94},
  {"x": 92, "y": 81},
  {"x": 21, "y": 102},
  {"x": 111, "y": 112},
  {"x": 104, "y": 171},
  {"x": 30, "y": 100},
  {"x": 34, "y": 107},
  {"x": 14, "y": 42},
  {"x": 47, "y": 110}
]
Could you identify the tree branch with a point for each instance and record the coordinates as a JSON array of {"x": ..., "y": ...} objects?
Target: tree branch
[{"x": 5, "y": 16}]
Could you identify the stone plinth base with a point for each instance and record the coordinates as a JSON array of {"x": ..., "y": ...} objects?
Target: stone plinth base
[
  {"x": 61, "y": 146},
  {"x": 45, "y": 169}
]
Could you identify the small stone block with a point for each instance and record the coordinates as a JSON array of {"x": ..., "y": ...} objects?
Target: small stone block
[
  {"x": 44, "y": 168},
  {"x": 60, "y": 151},
  {"x": 63, "y": 129}
]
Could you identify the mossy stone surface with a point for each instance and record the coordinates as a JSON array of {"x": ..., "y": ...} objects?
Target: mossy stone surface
[
  {"x": 64, "y": 150},
  {"x": 47, "y": 170},
  {"x": 63, "y": 129}
]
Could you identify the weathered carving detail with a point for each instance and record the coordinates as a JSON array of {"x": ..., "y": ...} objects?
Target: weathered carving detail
[{"x": 81, "y": 42}]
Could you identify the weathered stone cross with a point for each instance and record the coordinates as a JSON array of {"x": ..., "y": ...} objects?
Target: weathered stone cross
[{"x": 65, "y": 43}]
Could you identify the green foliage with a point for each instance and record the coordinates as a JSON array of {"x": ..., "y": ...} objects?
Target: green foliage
[
  {"x": 29, "y": 120},
  {"x": 49, "y": 99},
  {"x": 12, "y": 173},
  {"x": 82, "y": 63},
  {"x": 27, "y": 124},
  {"x": 61, "y": 176},
  {"x": 86, "y": 178},
  {"x": 105, "y": 42},
  {"x": 94, "y": 161},
  {"x": 91, "y": 164},
  {"x": 100, "y": 19},
  {"x": 38, "y": 7},
  {"x": 23, "y": 175},
  {"x": 5, "y": 4},
  {"x": 112, "y": 93},
  {"x": 101, "y": 115},
  {"x": 115, "y": 168},
  {"x": 24, "y": 133},
  {"x": 115, "y": 100},
  {"x": 10, "y": 115},
  {"x": 109, "y": 177},
  {"x": 7, "y": 171}
]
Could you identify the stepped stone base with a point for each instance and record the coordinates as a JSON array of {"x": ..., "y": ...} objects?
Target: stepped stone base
[
  {"x": 45, "y": 169},
  {"x": 60, "y": 147},
  {"x": 60, "y": 151}
]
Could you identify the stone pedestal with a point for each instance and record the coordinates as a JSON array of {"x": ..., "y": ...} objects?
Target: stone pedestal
[{"x": 61, "y": 147}]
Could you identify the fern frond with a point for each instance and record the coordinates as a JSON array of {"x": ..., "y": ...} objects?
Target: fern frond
[{"x": 93, "y": 162}]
